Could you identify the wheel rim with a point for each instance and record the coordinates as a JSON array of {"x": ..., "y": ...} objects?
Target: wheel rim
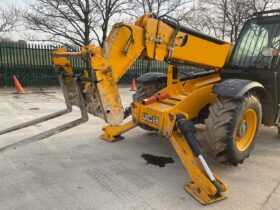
[{"x": 246, "y": 130}]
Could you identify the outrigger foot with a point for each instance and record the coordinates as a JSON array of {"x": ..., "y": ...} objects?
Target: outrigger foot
[
  {"x": 201, "y": 196},
  {"x": 113, "y": 133}
]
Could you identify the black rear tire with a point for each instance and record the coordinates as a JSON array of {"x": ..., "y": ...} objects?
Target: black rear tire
[
  {"x": 148, "y": 89},
  {"x": 225, "y": 126}
]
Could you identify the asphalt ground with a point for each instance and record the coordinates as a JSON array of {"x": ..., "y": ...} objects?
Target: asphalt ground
[{"x": 77, "y": 170}]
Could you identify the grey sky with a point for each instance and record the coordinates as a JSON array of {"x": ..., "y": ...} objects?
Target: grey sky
[
  {"x": 20, "y": 32},
  {"x": 4, "y": 3}
]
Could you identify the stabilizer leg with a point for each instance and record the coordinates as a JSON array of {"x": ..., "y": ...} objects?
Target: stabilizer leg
[
  {"x": 113, "y": 133},
  {"x": 205, "y": 187}
]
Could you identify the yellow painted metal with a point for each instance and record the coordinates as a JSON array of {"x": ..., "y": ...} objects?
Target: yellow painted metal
[
  {"x": 186, "y": 98},
  {"x": 202, "y": 52},
  {"x": 108, "y": 104},
  {"x": 113, "y": 133},
  {"x": 191, "y": 96},
  {"x": 200, "y": 187},
  {"x": 170, "y": 79},
  {"x": 150, "y": 38},
  {"x": 119, "y": 51},
  {"x": 124, "y": 45},
  {"x": 106, "y": 88},
  {"x": 61, "y": 60},
  {"x": 249, "y": 120},
  {"x": 197, "y": 51}
]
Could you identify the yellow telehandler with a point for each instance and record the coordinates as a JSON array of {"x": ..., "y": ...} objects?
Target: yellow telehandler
[{"x": 171, "y": 103}]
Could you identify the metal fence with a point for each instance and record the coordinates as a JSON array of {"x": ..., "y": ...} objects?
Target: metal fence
[{"x": 31, "y": 63}]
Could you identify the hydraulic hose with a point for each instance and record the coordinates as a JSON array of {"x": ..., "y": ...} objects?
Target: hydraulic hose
[{"x": 188, "y": 130}]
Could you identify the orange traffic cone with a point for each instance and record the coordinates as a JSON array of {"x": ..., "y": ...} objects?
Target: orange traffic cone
[
  {"x": 18, "y": 86},
  {"x": 133, "y": 85}
]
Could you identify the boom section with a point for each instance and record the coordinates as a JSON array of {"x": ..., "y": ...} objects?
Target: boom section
[
  {"x": 167, "y": 40},
  {"x": 148, "y": 38}
]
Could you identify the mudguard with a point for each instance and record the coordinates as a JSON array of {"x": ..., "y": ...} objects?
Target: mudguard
[{"x": 236, "y": 87}]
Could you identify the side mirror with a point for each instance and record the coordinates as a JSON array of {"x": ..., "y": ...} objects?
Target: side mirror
[{"x": 269, "y": 52}]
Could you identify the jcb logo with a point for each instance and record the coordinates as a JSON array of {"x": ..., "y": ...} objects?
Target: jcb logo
[{"x": 150, "y": 118}]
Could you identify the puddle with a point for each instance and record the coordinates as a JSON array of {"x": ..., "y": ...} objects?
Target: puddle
[
  {"x": 35, "y": 108},
  {"x": 157, "y": 160}
]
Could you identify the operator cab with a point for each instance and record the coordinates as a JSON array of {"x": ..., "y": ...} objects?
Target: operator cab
[
  {"x": 255, "y": 57},
  {"x": 258, "y": 39}
]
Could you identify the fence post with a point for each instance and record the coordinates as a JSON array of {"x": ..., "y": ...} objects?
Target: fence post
[
  {"x": 33, "y": 63},
  {"x": 2, "y": 66}
]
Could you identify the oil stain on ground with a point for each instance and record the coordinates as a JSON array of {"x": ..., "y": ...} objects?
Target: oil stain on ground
[{"x": 157, "y": 160}]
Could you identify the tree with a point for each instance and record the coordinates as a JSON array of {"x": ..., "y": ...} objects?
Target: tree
[
  {"x": 203, "y": 20},
  {"x": 8, "y": 19},
  {"x": 107, "y": 9},
  {"x": 78, "y": 22},
  {"x": 237, "y": 12},
  {"x": 174, "y": 8},
  {"x": 225, "y": 18}
]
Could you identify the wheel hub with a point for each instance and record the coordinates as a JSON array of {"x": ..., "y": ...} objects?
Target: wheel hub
[
  {"x": 243, "y": 127},
  {"x": 246, "y": 130}
]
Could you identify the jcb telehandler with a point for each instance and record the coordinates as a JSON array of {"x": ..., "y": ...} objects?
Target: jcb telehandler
[{"x": 231, "y": 103}]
